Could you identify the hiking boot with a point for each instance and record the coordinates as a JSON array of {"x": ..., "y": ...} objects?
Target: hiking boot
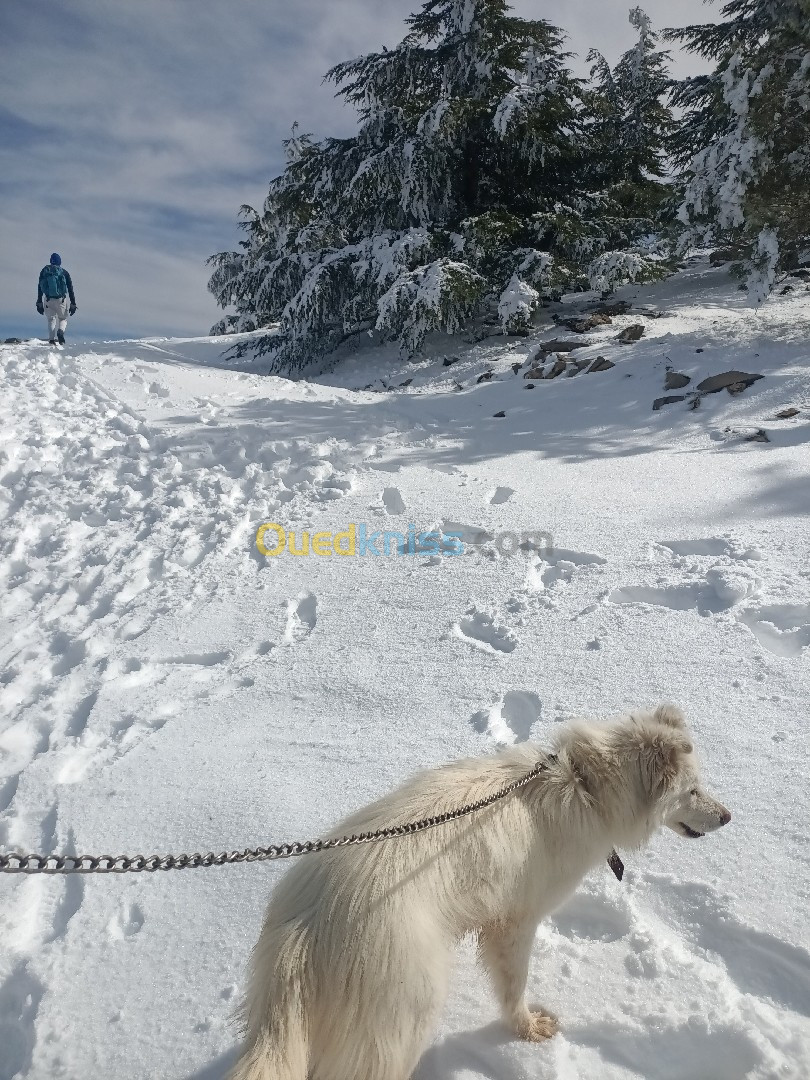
[
  {"x": 60, "y": 336},
  {"x": 52, "y": 341}
]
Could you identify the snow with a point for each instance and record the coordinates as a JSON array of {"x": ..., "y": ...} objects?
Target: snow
[
  {"x": 165, "y": 687},
  {"x": 517, "y": 302},
  {"x": 511, "y": 106},
  {"x": 417, "y": 300},
  {"x": 613, "y": 268},
  {"x": 724, "y": 170},
  {"x": 762, "y": 278}
]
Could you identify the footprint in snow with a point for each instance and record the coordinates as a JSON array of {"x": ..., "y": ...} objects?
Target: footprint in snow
[
  {"x": 511, "y": 719},
  {"x": 20, "y": 996},
  {"x": 302, "y": 615},
  {"x": 551, "y": 571},
  {"x": 482, "y": 632},
  {"x": 713, "y": 546},
  {"x": 500, "y": 495},
  {"x": 558, "y": 565},
  {"x": 127, "y": 922},
  {"x": 393, "y": 501},
  {"x": 695, "y": 1048},
  {"x": 590, "y": 917},
  {"x": 471, "y": 536},
  {"x": 758, "y": 962},
  {"x": 783, "y": 629},
  {"x": 720, "y": 588}
]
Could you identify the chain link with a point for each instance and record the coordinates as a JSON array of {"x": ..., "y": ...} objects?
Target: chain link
[{"x": 15, "y": 863}]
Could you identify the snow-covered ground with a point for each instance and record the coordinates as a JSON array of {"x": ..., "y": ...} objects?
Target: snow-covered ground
[{"x": 165, "y": 687}]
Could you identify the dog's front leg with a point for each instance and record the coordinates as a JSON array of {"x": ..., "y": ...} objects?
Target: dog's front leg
[{"x": 505, "y": 949}]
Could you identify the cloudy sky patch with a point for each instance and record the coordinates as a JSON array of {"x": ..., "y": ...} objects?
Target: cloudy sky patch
[{"x": 130, "y": 134}]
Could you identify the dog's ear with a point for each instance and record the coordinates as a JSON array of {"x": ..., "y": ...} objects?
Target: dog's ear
[
  {"x": 660, "y": 759},
  {"x": 671, "y": 715}
]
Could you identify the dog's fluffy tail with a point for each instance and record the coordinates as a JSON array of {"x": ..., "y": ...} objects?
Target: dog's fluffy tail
[
  {"x": 266, "y": 1059},
  {"x": 277, "y": 1044}
]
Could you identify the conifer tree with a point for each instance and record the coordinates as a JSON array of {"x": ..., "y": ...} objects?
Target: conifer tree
[
  {"x": 748, "y": 185},
  {"x": 465, "y": 192},
  {"x": 628, "y": 129},
  {"x": 632, "y": 118}
]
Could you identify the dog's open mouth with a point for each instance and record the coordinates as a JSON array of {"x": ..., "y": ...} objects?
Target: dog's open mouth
[{"x": 690, "y": 832}]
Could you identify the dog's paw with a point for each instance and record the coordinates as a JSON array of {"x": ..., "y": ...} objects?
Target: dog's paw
[{"x": 537, "y": 1027}]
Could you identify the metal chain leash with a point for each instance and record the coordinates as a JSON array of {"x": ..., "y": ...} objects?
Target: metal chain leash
[{"x": 15, "y": 863}]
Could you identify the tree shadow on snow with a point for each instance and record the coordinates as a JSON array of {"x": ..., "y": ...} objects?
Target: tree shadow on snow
[{"x": 472, "y": 435}]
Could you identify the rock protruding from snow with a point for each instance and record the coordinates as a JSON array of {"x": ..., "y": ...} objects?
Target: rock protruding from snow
[
  {"x": 557, "y": 368},
  {"x": 676, "y": 381},
  {"x": 631, "y": 334},
  {"x": 669, "y": 399},
  {"x": 726, "y": 379},
  {"x": 583, "y": 323},
  {"x": 618, "y": 307},
  {"x": 555, "y": 346},
  {"x": 722, "y": 256}
]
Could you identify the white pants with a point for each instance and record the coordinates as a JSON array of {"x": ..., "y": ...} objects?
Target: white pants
[{"x": 56, "y": 312}]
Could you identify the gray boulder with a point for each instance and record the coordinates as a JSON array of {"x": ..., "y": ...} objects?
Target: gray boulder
[
  {"x": 556, "y": 346},
  {"x": 723, "y": 255},
  {"x": 600, "y": 364},
  {"x": 557, "y": 368},
  {"x": 676, "y": 381},
  {"x": 618, "y": 307},
  {"x": 584, "y": 323},
  {"x": 631, "y": 334},
  {"x": 670, "y": 399},
  {"x": 739, "y": 380}
]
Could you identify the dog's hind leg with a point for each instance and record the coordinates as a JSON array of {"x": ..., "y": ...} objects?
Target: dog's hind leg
[
  {"x": 381, "y": 1015},
  {"x": 505, "y": 949}
]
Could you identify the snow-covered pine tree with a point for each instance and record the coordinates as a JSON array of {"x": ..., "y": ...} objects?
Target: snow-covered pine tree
[
  {"x": 629, "y": 127},
  {"x": 465, "y": 191},
  {"x": 633, "y": 121},
  {"x": 748, "y": 185}
]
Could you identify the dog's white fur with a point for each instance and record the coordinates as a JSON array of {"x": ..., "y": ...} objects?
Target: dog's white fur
[{"x": 351, "y": 970}]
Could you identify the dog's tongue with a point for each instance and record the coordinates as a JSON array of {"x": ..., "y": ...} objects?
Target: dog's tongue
[{"x": 616, "y": 864}]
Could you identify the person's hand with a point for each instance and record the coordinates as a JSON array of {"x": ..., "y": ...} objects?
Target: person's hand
[
  {"x": 40, "y": 307},
  {"x": 72, "y": 309}
]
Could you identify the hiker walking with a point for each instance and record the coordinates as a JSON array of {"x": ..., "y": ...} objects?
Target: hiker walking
[{"x": 55, "y": 287}]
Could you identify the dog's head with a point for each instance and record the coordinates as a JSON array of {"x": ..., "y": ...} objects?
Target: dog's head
[
  {"x": 640, "y": 773},
  {"x": 688, "y": 809}
]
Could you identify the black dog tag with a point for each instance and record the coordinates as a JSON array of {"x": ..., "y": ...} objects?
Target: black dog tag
[{"x": 616, "y": 864}]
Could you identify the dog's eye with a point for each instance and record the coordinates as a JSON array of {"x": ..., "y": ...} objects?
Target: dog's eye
[{"x": 694, "y": 791}]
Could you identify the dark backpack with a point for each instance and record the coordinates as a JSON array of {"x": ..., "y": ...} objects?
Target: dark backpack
[{"x": 53, "y": 282}]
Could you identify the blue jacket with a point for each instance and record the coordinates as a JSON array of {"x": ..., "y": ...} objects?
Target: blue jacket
[{"x": 71, "y": 294}]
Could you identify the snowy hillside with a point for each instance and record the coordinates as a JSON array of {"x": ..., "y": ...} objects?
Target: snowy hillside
[{"x": 166, "y": 687}]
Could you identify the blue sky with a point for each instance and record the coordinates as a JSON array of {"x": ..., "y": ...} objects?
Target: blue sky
[{"x": 130, "y": 134}]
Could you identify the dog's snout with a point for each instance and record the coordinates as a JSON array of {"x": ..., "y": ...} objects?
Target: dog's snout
[{"x": 725, "y": 816}]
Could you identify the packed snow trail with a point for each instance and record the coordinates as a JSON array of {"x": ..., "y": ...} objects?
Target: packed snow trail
[{"x": 166, "y": 687}]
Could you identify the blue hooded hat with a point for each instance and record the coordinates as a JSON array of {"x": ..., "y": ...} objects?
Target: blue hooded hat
[{"x": 56, "y": 260}]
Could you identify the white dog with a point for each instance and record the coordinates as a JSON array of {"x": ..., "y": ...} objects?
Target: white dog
[{"x": 351, "y": 970}]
